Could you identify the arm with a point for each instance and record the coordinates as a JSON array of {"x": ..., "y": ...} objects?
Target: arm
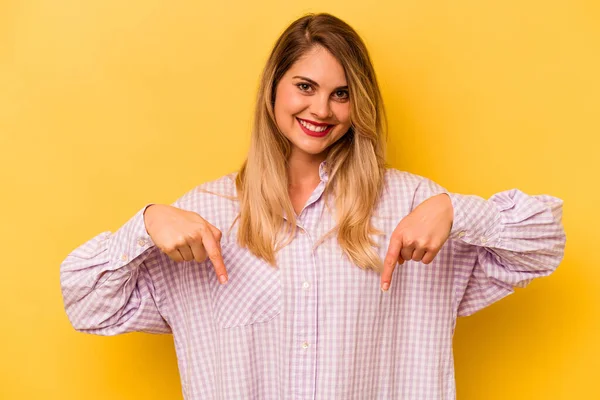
[
  {"x": 500, "y": 243},
  {"x": 107, "y": 282}
]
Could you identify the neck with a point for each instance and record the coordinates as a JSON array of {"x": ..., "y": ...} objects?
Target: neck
[{"x": 303, "y": 170}]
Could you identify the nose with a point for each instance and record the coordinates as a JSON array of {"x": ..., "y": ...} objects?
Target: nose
[{"x": 320, "y": 108}]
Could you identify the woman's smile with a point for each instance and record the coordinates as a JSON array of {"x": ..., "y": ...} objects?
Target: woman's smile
[{"x": 314, "y": 129}]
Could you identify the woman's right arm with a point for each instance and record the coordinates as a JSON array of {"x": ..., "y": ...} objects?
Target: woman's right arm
[{"x": 108, "y": 282}]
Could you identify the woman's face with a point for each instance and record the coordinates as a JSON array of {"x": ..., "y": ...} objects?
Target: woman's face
[{"x": 312, "y": 106}]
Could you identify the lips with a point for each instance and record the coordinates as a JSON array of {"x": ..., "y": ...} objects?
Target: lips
[
  {"x": 313, "y": 133},
  {"x": 313, "y": 122}
]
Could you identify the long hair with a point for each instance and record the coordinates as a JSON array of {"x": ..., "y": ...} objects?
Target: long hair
[{"x": 356, "y": 162}]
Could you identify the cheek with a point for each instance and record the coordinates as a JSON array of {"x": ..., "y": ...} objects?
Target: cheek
[
  {"x": 287, "y": 102},
  {"x": 342, "y": 113}
]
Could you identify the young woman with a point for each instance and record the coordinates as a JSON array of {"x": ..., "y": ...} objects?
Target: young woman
[{"x": 315, "y": 272}]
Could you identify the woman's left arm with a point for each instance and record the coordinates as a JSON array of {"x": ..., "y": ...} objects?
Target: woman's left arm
[
  {"x": 499, "y": 244},
  {"x": 518, "y": 237}
]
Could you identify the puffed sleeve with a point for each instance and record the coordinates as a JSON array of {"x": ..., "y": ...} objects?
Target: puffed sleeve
[
  {"x": 108, "y": 283},
  {"x": 500, "y": 243}
]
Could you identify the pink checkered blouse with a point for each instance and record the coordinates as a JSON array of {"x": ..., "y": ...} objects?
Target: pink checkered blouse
[{"x": 316, "y": 327}]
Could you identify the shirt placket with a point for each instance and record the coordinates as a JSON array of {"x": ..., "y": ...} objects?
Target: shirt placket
[{"x": 304, "y": 363}]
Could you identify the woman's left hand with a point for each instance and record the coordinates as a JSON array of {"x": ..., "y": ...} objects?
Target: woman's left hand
[{"x": 420, "y": 235}]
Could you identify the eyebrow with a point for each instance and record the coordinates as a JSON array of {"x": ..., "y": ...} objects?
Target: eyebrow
[{"x": 315, "y": 83}]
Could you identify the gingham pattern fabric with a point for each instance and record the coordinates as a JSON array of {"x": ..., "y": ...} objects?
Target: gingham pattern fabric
[{"x": 316, "y": 327}]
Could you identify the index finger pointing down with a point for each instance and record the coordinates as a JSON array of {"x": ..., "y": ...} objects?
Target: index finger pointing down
[
  {"x": 214, "y": 253},
  {"x": 389, "y": 264}
]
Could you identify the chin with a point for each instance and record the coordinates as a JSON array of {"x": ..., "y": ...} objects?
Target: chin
[
  {"x": 315, "y": 152},
  {"x": 310, "y": 148}
]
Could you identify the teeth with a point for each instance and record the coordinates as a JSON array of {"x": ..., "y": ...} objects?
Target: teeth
[{"x": 313, "y": 128}]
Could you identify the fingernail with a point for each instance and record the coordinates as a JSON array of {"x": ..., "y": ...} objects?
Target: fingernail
[
  {"x": 385, "y": 286},
  {"x": 223, "y": 279}
]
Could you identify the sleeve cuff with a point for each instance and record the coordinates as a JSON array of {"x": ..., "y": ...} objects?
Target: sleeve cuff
[
  {"x": 477, "y": 221},
  {"x": 130, "y": 241}
]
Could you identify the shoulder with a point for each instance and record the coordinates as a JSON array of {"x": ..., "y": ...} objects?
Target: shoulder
[
  {"x": 403, "y": 182},
  {"x": 404, "y": 190},
  {"x": 223, "y": 186},
  {"x": 215, "y": 200},
  {"x": 395, "y": 178}
]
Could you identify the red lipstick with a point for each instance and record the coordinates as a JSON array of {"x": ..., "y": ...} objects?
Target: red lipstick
[{"x": 313, "y": 133}]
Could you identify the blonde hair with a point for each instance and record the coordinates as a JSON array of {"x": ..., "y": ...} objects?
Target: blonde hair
[{"x": 356, "y": 162}]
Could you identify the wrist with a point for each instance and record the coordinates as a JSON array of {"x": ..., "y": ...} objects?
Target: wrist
[
  {"x": 450, "y": 208},
  {"x": 147, "y": 214}
]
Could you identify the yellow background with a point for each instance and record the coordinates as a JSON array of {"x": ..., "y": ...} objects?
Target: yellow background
[{"x": 107, "y": 105}]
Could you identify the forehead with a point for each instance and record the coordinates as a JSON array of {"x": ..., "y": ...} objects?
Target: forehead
[{"x": 321, "y": 66}]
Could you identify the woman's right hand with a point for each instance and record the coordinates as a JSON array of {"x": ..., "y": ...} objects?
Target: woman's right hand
[{"x": 185, "y": 236}]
